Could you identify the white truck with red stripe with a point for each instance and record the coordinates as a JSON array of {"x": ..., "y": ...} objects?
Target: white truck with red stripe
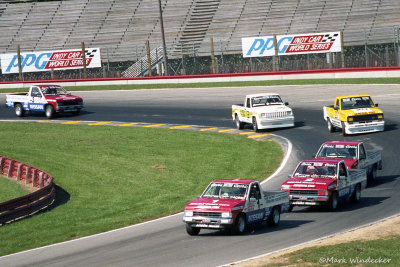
[{"x": 48, "y": 99}]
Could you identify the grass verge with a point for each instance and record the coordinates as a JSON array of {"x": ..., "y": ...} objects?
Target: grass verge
[
  {"x": 10, "y": 190},
  {"x": 224, "y": 84},
  {"x": 380, "y": 252},
  {"x": 108, "y": 176}
]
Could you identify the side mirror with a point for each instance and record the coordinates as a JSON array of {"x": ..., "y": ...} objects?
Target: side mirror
[
  {"x": 289, "y": 175},
  {"x": 286, "y": 103},
  {"x": 336, "y": 108},
  {"x": 376, "y": 105}
]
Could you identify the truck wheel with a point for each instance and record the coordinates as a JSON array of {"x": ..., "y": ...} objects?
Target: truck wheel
[
  {"x": 344, "y": 129},
  {"x": 239, "y": 124},
  {"x": 240, "y": 226},
  {"x": 275, "y": 217},
  {"x": 49, "y": 111},
  {"x": 331, "y": 128},
  {"x": 373, "y": 174},
  {"x": 357, "y": 194},
  {"x": 19, "y": 111},
  {"x": 192, "y": 230},
  {"x": 333, "y": 202},
  {"x": 255, "y": 127}
]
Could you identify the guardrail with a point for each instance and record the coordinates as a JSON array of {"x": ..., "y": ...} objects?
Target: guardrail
[{"x": 24, "y": 206}]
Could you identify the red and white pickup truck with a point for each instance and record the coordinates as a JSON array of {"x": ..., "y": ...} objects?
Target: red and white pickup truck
[
  {"x": 234, "y": 204},
  {"x": 324, "y": 182},
  {"x": 49, "y": 99},
  {"x": 355, "y": 154}
]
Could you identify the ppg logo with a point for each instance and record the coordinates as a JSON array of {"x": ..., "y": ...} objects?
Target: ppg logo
[
  {"x": 261, "y": 47},
  {"x": 37, "y": 61}
]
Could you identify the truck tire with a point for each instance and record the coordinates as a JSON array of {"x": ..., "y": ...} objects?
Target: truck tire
[
  {"x": 19, "y": 111},
  {"x": 333, "y": 201},
  {"x": 239, "y": 124},
  {"x": 192, "y": 230},
  {"x": 254, "y": 123},
  {"x": 357, "y": 194},
  {"x": 49, "y": 111},
  {"x": 275, "y": 217},
  {"x": 344, "y": 129},
  {"x": 240, "y": 225},
  {"x": 373, "y": 173},
  {"x": 331, "y": 128}
]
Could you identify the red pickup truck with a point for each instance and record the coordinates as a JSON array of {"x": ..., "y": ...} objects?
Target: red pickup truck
[
  {"x": 234, "y": 204},
  {"x": 324, "y": 182}
]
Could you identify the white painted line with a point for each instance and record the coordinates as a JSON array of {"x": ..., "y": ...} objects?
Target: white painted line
[{"x": 314, "y": 240}]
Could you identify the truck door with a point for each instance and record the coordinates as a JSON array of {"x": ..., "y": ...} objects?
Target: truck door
[
  {"x": 343, "y": 181},
  {"x": 247, "y": 108},
  {"x": 37, "y": 102},
  {"x": 256, "y": 211},
  {"x": 362, "y": 157}
]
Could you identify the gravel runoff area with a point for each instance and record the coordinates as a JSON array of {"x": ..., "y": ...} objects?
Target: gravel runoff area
[{"x": 382, "y": 229}]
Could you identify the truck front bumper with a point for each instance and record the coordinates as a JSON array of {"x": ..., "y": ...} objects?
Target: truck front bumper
[
  {"x": 208, "y": 222},
  {"x": 268, "y": 123},
  {"x": 366, "y": 127},
  {"x": 307, "y": 200},
  {"x": 71, "y": 108}
]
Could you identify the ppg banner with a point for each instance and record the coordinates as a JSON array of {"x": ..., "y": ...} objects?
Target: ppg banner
[
  {"x": 50, "y": 60},
  {"x": 292, "y": 44}
]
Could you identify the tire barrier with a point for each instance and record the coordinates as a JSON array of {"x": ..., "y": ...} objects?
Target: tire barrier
[{"x": 21, "y": 207}]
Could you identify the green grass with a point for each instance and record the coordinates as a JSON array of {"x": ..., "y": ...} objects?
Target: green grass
[
  {"x": 356, "y": 253},
  {"x": 225, "y": 84},
  {"x": 10, "y": 190},
  {"x": 107, "y": 177}
]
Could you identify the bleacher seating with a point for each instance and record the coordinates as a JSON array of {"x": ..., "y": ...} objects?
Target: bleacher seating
[{"x": 120, "y": 28}]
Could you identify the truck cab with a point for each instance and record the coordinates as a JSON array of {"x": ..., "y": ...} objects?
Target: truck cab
[
  {"x": 234, "y": 204},
  {"x": 355, "y": 155}
]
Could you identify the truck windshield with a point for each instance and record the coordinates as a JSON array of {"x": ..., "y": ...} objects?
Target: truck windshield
[
  {"x": 357, "y": 102},
  {"x": 267, "y": 100},
  {"x": 316, "y": 170},
  {"x": 53, "y": 90},
  {"x": 226, "y": 190},
  {"x": 338, "y": 151}
]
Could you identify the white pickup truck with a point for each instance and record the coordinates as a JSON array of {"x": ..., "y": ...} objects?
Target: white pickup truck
[
  {"x": 234, "y": 204},
  {"x": 263, "y": 111},
  {"x": 48, "y": 99},
  {"x": 355, "y": 154}
]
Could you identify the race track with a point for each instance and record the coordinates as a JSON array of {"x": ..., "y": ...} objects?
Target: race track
[{"x": 164, "y": 242}]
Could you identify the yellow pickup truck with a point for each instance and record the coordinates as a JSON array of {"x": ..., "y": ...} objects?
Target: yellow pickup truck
[{"x": 354, "y": 114}]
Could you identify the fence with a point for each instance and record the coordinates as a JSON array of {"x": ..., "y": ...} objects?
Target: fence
[
  {"x": 42, "y": 197},
  {"x": 386, "y": 53}
]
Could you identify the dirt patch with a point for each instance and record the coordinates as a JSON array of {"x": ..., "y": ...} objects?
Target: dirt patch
[{"x": 375, "y": 231}]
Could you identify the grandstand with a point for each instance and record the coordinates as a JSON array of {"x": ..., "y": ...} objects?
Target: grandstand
[{"x": 120, "y": 28}]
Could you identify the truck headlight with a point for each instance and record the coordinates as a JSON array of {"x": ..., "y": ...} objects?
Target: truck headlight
[
  {"x": 350, "y": 119},
  {"x": 285, "y": 187},
  {"x": 226, "y": 214},
  {"x": 289, "y": 113},
  {"x": 380, "y": 117},
  {"x": 263, "y": 115},
  {"x": 188, "y": 213}
]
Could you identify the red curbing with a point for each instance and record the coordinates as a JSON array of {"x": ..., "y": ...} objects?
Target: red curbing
[{"x": 24, "y": 206}]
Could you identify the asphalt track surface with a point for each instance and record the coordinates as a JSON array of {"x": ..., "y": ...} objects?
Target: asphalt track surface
[{"x": 164, "y": 242}]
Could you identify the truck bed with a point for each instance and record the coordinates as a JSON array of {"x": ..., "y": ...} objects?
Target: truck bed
[{"x": 276, "y": 197}]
